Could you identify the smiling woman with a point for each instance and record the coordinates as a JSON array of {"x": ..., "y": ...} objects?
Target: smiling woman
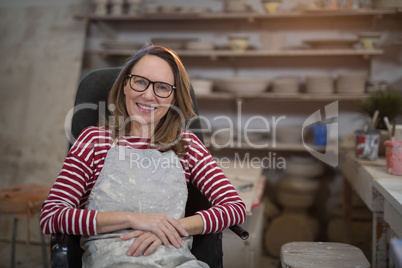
[{"x": 123, "y": 186}]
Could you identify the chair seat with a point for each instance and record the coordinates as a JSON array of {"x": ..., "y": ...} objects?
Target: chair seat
[{"x": 322, "y": 254}]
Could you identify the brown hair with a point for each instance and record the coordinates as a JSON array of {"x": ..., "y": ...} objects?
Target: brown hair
[{"x": 167, "y": 133}]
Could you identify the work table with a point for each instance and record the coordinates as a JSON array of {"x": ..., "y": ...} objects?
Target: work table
[{"x": 382, "y": 194}]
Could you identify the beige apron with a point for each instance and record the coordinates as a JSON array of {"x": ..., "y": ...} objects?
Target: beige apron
[{"x": 139, "y": 181}]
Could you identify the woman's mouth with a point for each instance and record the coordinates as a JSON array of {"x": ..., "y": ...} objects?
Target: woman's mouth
[{"x": 146, "y": 107}]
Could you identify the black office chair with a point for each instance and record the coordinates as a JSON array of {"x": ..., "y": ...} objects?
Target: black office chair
[{"x": 93, "y": 89}]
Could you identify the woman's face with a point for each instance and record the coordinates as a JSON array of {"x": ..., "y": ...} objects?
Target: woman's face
[{"x": 145, "y": 108}]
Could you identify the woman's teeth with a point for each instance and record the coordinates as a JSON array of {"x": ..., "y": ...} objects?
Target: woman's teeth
[{"x": 148, "y": 108}]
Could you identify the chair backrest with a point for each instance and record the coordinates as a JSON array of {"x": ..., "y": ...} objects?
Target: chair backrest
[{"x": 93, "y": 89}]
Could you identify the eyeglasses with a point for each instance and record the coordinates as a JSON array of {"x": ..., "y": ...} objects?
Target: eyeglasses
[{"x": 140, "y": 84}]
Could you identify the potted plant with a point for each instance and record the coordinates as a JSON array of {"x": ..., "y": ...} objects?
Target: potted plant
[{"x": 387, "y": 102}]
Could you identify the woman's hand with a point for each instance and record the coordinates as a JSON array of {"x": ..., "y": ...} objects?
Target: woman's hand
[
  {"x": 167, "y": 229},
  {"x": 145, "y": 243}
]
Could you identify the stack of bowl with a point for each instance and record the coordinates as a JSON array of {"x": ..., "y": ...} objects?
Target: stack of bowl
[
  {"x": 243, "y": 85},
  {"x": 351, "y": 83},
  {"x": 296, "y": 193},
  {"x": 286, "y": 85},
  {"x": 319, "y": 84},
  {"x": 288, "y": 134},
  {"x": 298, "y": 187},
  {"x": 273, "y": 41},
  {"x": 200, "y": 45},
  {"x": 235, "y": 6},
  {"x": 201, "y": 87}
]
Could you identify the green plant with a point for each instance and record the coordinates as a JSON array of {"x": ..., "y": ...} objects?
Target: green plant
[{"x": 388, "y": 103}]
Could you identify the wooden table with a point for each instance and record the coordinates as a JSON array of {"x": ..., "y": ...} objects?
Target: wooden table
[{"x": 382, "y": 194}]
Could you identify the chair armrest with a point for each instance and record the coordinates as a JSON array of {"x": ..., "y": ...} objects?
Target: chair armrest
[
  {"x": 243, "y": 234},
  {"x": 58, "y": 251}
]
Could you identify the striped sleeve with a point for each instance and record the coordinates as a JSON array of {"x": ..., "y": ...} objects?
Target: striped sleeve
[
  {"x": 62, "y": 211},
  {"x": 228, "y": 208}
]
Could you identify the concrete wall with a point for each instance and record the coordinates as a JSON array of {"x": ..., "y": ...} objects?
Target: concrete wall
[{"x": 40, "y": 50}]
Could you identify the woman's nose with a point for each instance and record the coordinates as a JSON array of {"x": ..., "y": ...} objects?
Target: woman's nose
[{"x": 149, "y": 92}]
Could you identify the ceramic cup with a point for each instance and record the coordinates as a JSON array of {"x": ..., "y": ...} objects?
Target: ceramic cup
[{"x": 367, "y": 144}]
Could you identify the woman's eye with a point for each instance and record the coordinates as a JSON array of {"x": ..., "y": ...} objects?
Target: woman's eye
[
  {"x": 163, "y": 87},
  {"x": 140, "y": 81}
]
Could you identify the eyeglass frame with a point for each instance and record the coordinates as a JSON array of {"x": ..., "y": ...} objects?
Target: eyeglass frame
[{"x": 153, "y": 85}]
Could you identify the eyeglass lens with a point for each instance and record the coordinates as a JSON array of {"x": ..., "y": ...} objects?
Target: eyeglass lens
[{"x": 160, "y": 89}]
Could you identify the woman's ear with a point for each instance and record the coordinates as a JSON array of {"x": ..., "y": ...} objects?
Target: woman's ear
[{"x": 125, "y": 86}]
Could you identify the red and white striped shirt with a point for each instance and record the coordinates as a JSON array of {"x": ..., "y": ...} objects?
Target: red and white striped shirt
[{"x": 63, "y": 211}]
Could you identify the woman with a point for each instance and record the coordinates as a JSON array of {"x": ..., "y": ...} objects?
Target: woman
[{"x": 123, "y": 186}]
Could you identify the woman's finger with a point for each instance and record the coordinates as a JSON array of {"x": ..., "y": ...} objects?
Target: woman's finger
[
  {"x": 137, "y": 243},
  {"x": 149, "y": 238},
  {"x": 131, "y": 235},
  {"x": 172, "y": 235},
  {"x": 152, "y": 247}
]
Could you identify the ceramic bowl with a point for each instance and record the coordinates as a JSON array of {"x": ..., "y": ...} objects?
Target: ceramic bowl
[
  {"x": 370, "y": 40},
  {"x": 271, "y": 7},
  {"x": 238, "y": 42},
  {"x": 243, "y": 84}
]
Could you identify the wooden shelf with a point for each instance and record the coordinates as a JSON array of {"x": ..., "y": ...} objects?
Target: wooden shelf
[
  {"x": 249, "y": 16},
  {"x": 294, "y": 147},
  {"x": 278, "y": 96},
  {"x": 213, "y": 54}
]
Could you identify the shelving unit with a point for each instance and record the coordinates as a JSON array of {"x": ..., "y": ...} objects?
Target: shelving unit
[
  {"x": 248, "y": 16},
  {"x": 109, "y": 26},
  {"x": 213, "y": 54}
]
